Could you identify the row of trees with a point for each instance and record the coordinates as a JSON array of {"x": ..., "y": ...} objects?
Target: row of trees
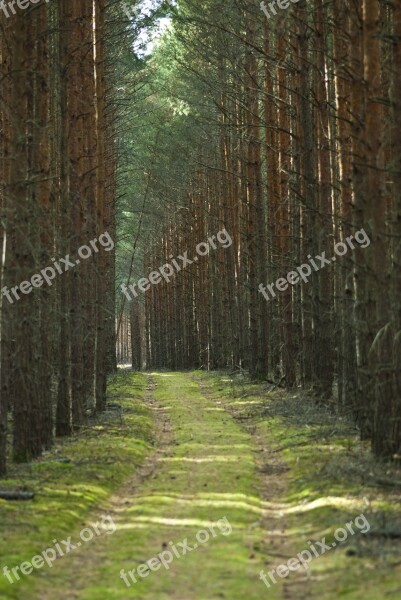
[
  {"x": 286, "y": 131},
  {"x": 58, "y": 178}
]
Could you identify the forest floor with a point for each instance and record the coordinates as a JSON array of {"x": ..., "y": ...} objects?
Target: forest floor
[{"x": 265, "y": 470}]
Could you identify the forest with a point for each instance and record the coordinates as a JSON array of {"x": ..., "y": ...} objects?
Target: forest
[{"x": 200, "y": 312}]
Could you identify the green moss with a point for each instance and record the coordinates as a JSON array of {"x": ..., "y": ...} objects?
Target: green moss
[
  {"x": 205, "y": 470},
  {"x": 331, "y": 480},
  {"x": 207, "y": 466},
  {"x": 76, "y": 476}
]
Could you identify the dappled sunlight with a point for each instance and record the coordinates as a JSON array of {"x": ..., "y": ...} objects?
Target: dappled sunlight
[
  {"x": 197, "y": 445},
  {"x": 235, "y": 498},
  {"x": 275, "y": 510},
  {"x": 333, "y": 501},
  {"x": 151, "y": 522},
  {"x": 157, "y": 374},
  {"x": 245, "y": 402},
  {"x": 205, "y": 459},
  {"x": 134, "y": 522}
]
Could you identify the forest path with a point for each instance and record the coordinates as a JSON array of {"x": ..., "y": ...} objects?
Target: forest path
[{"x": 204, "y": 474}]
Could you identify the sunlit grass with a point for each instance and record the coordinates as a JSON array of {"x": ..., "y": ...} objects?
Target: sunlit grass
[
  {"x": 210, "y": 466},
  {"x": 323, "y": 492},
  {"x": 101, "y": 457}
]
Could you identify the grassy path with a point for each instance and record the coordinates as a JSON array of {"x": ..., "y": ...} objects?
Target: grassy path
[
  {"x": 202, "y": 475},
  {"x": 211, "y": 486}
]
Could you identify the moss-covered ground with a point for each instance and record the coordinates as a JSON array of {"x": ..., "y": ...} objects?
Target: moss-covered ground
[
  {"x": 331, "y": 479},
  {"x": 184, "y": 452}
]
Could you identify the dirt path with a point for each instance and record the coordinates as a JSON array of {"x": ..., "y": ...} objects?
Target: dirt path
[{"x": 208, "y": 474}]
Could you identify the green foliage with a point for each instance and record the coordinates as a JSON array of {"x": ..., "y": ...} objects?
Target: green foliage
[{"x": 168, "y": 115}]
